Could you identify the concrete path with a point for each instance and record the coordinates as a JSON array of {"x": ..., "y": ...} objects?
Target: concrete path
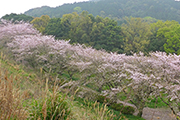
[{"x": 157, "y": 114}]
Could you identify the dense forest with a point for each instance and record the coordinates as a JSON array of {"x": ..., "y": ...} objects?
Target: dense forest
[
  {"x": 18, "y": 17},
  {"x": 135, "y": 35},
  {"x": 159, "y": 9}
]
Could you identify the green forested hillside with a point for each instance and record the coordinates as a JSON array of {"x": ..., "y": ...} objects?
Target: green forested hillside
[
  {"x": 134, "y": 35},
  {"x": 159, "y": 9},
  {"x": 17, "y": 17}
]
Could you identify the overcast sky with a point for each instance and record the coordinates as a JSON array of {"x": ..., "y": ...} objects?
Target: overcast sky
[{"x": 20, "y": 6}]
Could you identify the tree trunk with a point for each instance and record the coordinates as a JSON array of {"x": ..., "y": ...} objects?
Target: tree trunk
[
  {"x": 140, "y": 108},
  {"x": 140, "y": 113}
]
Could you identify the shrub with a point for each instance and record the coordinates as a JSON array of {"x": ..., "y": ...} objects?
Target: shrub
[
  {"x": 93, "y": 110},
  {"x": 123, "y": 109},
  {"x": 117, "y": 107},
  {"x": 128, "y": 110},
  {"x": 54, "y": 107},
  {"x": 103, "y": 99}
]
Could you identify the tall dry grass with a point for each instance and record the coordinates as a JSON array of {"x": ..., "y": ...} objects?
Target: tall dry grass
[
  {"x": 92, "y": 112},
  {"x": 12, "y": 96},
  {"x": 11, "y": 106}
]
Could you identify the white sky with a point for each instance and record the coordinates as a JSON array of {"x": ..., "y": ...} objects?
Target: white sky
[{"x": 20, "y": 6}]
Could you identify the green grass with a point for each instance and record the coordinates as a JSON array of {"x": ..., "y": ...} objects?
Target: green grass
[
  {"x": 156, "y": 103},
  {"x": 117, "y": 115}
]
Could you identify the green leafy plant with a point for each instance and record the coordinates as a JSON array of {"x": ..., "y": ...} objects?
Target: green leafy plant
[
  {"x": 53, "y": 106},
  {"x": 123, "y": 109}
]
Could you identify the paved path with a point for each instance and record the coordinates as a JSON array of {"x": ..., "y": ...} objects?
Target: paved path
[{"x": 157, "y": 114}]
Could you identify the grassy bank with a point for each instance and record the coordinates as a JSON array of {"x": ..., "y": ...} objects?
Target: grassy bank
[{"x": 27, "y": 95}]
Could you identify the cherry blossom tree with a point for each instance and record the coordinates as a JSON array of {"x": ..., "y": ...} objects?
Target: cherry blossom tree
[
  {"x": 138, "y": 77},
  {"x": 45, "y": 52},
  {"x": 33, "y": 49},
  {"x": 168, "y": 71},
  {"x": 9, "y": 29}
]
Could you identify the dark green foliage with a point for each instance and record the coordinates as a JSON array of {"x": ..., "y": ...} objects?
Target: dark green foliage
[
  {"x": 101, "y": 98},
  {"x": 55, "y": 28},
  {"x": 116, "y": 106},
  {"x": 58, "y": 28},
  {"x": 104, "y": 99},
  {"x": 106, "y": 34},
  {"x": 18, "y": 17},
  {"x": 84, "y": 28},
  {"x": 53, "y": 107},
  {"x": 159, "y": 9},
  {"x": 165, "y": 37},
  {"x": 128, "y": 110},
  {"x": 156, "y": 43},
  {"x": 137, "y": 34},
  {"x": 123, "y": 109}
]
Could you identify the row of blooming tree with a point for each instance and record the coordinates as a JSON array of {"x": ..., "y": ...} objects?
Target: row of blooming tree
[{"x": 139, "y": 77}]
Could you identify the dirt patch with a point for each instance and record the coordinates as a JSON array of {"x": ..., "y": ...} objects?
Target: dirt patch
[{"x": 157, "y": 114}]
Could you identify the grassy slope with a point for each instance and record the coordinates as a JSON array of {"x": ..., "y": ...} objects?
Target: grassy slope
[{"x": 29, "y": 87}]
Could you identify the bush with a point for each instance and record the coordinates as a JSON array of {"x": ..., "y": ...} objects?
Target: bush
[
  {"x": 128, "y": 110},
  {"x": 117, "y": 107},
  {"x": 103, "y": 99},
  {"x": 54, "y": 107},
  {"x": 123, "y": 109}
]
